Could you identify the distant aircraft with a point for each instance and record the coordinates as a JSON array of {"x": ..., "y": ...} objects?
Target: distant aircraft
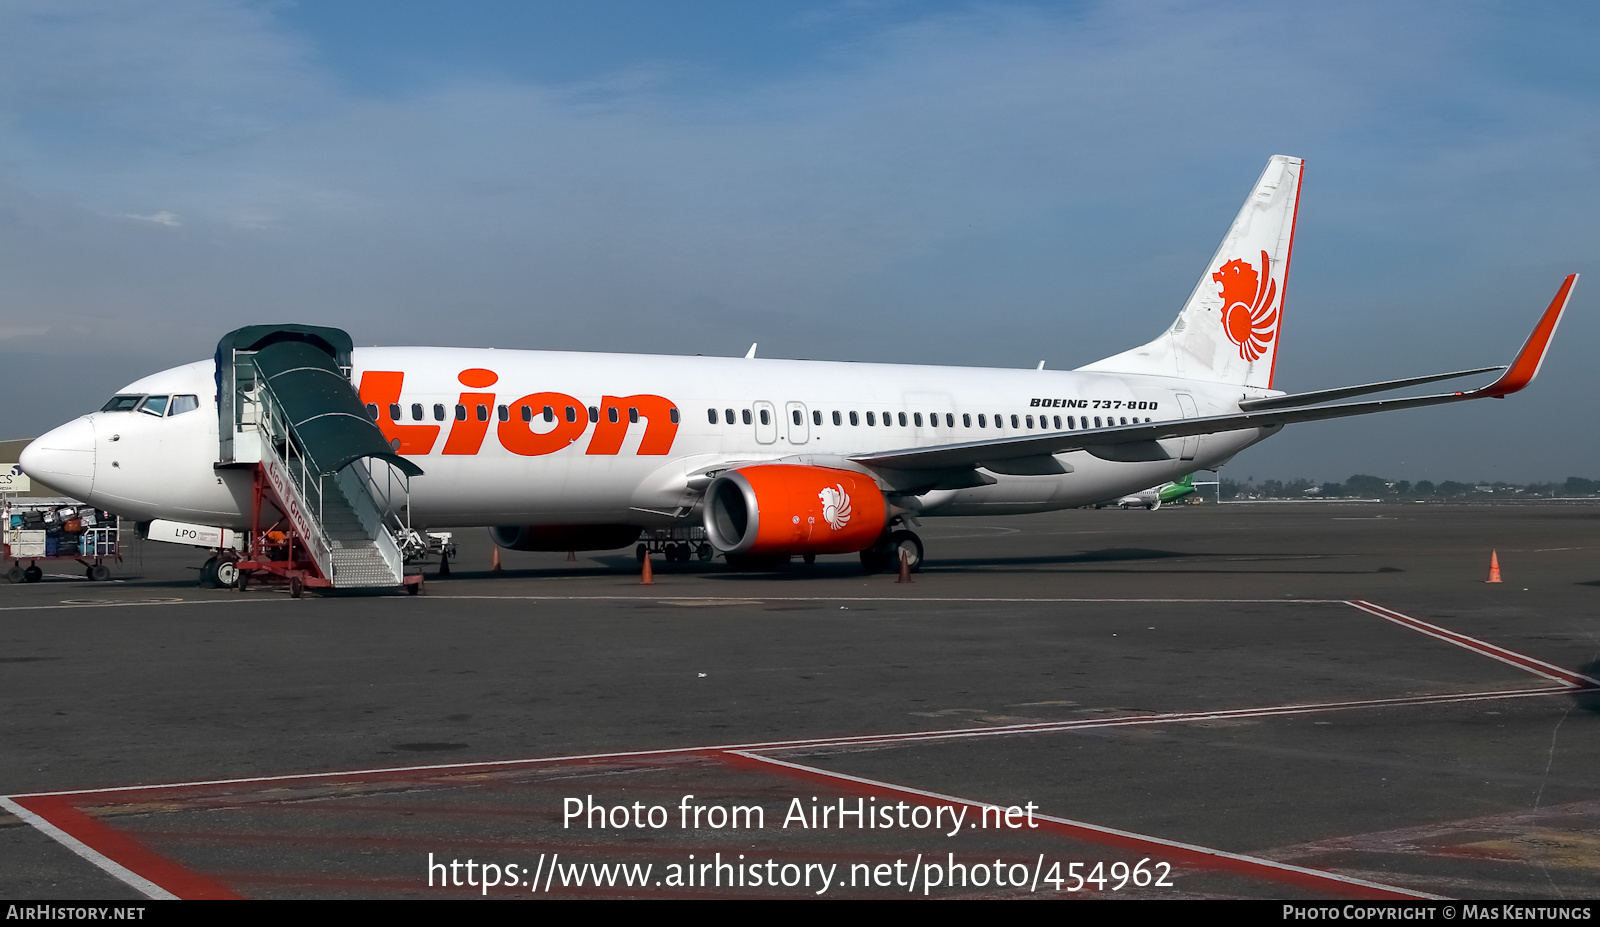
[
  {"x": 1157, "y": 496},
  {"x": 774, "y": 458}
]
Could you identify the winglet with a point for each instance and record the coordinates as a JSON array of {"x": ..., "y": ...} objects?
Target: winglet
[{"x": 1531, "y": 357}]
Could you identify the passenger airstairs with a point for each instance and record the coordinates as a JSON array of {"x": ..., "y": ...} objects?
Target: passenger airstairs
[{"x": 330, "y": 496}]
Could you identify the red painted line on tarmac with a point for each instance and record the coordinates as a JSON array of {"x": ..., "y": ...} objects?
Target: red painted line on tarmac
[
  {"x": 1484, "y": 648},
  {"x": 124, "y": 850},
  {"x": 1168, "y": 850}
]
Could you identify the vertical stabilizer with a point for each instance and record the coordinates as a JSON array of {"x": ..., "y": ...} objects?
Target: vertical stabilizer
[{"x": 1228, "y": 330}]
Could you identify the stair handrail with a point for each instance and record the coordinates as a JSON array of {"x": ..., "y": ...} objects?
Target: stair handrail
[{"x": 288, "y": 471}]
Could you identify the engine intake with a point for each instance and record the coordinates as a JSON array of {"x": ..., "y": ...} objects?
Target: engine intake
[{"x": 789, "y": 509}]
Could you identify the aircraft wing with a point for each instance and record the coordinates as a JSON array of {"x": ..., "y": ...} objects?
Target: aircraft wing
[{"x": 1030, "y": 453}]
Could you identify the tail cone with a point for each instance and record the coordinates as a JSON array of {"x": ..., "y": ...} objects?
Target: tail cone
[{"x": 1494, "y": 566}]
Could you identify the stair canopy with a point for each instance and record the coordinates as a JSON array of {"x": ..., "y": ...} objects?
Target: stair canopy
[
  {"x": 323, "y": 409},
  {"x": 308, "y": 369}
]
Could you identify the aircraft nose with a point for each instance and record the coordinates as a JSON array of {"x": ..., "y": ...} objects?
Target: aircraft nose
[{"x": 63, "y": 459}]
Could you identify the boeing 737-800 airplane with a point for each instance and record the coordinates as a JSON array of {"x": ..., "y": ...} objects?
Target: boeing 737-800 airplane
[{"x": 775, "y": 458}]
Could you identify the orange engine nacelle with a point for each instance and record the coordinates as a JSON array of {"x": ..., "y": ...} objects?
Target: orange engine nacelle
[{"x": 785, "y": 508}]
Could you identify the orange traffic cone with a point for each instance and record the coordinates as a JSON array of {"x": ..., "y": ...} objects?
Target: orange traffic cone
[
  {"x": 496, "y": 566},
  {"x": 647, "y": 577},
  {"x": 905, "y": 568},
  {"x": 1494, "y": 567}
]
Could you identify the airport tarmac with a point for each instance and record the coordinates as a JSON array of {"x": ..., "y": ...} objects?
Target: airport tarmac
[{"x": 1244, "y": 701}]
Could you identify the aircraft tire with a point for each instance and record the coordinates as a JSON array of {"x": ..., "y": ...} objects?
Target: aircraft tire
[
  {"x": 227, "y": 573},
  {"x": 904, "y": 541}
]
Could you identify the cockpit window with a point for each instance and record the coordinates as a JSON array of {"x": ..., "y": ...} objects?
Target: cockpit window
[
  {"x": 121, "y": 404},
  {"x": 154, "y": 405},
  {"x": 182, "y": 404}
]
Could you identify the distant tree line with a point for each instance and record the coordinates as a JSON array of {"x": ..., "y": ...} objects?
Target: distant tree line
[{"x": 1364, "y": 486}]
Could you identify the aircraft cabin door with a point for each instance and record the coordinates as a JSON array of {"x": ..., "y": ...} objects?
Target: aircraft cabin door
[
  {"x": 799, "y": 428},
  {"x": 766, "y": 423},
  {"x": 1191, "y": 443}
]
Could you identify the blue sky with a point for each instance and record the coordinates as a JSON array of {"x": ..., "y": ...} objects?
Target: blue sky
[{"x": 988, "y": 183}]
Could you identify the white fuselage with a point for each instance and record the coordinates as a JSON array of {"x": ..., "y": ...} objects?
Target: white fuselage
[{"x": 143, "y": 466}]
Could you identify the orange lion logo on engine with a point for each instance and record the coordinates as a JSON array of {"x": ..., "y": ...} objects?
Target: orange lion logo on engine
[
  {"x": 1249, "y": 313},
  {"x": 835, "y": 506}
]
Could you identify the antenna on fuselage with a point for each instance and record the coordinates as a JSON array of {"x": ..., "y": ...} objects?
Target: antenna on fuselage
[{"x": 752, "y": 351}]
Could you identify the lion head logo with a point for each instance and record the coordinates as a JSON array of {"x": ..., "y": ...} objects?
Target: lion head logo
[
  {"x": 1249, "y": 313},
  {"x": 835, "y": 506}
]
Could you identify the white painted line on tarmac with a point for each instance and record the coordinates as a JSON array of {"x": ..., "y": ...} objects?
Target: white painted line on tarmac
[
  {"x": 111, "y": 867},
  {"x": 1521, "y": 661},
  {"x": 1039, "y": 727},
  {"x": 656, "y": 595},
  {"x": 131, "y": 603}
]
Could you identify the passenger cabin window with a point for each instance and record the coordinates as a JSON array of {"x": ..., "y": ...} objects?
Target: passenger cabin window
[
  {"x": 611, "y": 414},
  {"x": 394, "y": 411},
  {"x": 121, "y": 404},
  {"x": 727, "y": 416},
  {"x": 836, "y": 419},
  {"x": 983, "y": 422},
  {"x": 633, "y": 416},
  {"x": 816, "y": 417},
  {"x": 902, "y": 419},
  {"x": 483, "y": 413},
  {"x": 372, "y": 411},
  {"x": 853, "y": 419},
  {"x": 182, "y": 404},
  {"x": 438, "y": 411},
  {"x": 916, "y": 419},
  {"x": 745, "y": 414},
  {"x": 416, "y": 411},
  {"x": 766, "y": 419},
  {"x": 797, "y": 420},
  {"x": 527, "y": 412},
  {"x": 871, "y": 420},
  {"x": 461, "y": 412},
  {"x": 1014, "y": 422},
  {"x": 504, "y": 414},
  {"x": 572, "y": 414},
  {"x": 711, "y": 416},
  {"x": 594, "y": 414}
]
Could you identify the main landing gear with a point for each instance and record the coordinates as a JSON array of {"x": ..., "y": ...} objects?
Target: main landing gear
[{"x": 885, "y": 555}]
